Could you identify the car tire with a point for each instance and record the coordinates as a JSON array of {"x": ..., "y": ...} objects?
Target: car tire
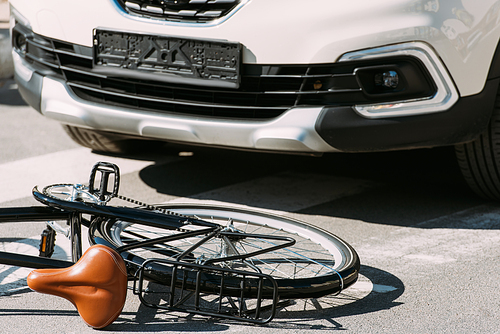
[
  {"x": 106, "y": 142},
  {"x": 479, "y": 160}
]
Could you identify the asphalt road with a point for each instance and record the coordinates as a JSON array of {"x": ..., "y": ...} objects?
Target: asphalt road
[{"x": 428, "y": 246}]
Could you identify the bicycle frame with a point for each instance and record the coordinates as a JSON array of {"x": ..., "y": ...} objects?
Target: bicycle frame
[
  {"x": 75, "y": 220},
  {"x": 35, "y": 213},
  {"x": 229, "y": 289}
]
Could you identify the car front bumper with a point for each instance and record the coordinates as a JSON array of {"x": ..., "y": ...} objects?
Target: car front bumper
[
  {"x": 294, "y": 131},
  {"x": 299, "y": 130}
]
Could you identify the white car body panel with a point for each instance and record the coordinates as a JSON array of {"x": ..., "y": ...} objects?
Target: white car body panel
[{"x": 465, "y": 37}]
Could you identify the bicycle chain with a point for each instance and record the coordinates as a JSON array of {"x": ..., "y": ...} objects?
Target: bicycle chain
[
  {"x": 123, "y": 198},
  {"x": 149, "y": 206}
]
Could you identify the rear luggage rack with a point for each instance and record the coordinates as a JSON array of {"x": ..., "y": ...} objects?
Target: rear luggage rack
[{"x": 240, "y": 299}]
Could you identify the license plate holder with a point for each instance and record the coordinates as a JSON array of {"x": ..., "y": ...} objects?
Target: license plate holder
[{"x": 172, "y": 59}]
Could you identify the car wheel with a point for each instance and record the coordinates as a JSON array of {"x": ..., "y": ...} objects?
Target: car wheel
[
  {"x": 106, "y": 142},
  {"x": 479, "y": 160}
]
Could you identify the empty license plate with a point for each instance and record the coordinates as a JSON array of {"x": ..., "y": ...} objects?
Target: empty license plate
[{"x": 166, "y": 58}]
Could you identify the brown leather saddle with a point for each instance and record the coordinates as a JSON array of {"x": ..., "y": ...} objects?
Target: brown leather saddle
[{"x": 96, "y": 285}]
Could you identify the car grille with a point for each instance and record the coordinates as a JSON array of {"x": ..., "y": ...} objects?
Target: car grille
[
  {"x": 181, "y": 10},
  {"x": 265, "y": 91}
]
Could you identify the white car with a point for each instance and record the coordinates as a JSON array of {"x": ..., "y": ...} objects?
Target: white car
[{"x": 269, "y": 75}]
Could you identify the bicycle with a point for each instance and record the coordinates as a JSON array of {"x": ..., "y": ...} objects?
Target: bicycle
[{"x": 232, "y": 263}]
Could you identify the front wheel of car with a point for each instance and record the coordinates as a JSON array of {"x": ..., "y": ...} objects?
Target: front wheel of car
[{"x": 479, "y": 160}]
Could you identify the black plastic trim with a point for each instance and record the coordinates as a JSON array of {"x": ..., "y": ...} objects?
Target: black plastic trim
[
  {"x": 347, "y": 131},
  {"x": 494, "y": 71},
  {"x": 265, "y": 91}
]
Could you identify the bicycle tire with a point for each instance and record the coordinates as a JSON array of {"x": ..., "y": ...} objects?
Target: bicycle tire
[{"x": 334, "y": 266}]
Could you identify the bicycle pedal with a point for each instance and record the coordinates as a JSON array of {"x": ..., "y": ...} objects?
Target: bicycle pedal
[
  {"x": 108, "y": 173},
  {"x": 47, "y": 242}
]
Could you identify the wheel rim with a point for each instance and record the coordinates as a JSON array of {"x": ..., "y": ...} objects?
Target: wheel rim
[{"x": 316, "y": 253}]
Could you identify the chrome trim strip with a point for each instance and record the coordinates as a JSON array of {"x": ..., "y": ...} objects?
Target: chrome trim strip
[
  {"x": 313, "y": 92},
  {"x": 132, "y": 5},
  {"x": 171, "y": 101},
  {"x": 306, "y": 76},
  {"x": 59, "y": 51},
  {"x": 155, "y": 10},
  {"x": 43, "y": 62},
  {"x": 446, "y": 94},
  {"x": 184, "y": 24},
  {"x": 76, "y": 70}
]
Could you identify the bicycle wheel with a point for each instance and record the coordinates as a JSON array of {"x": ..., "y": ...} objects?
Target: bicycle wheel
[{"x": 318, "y": 264}]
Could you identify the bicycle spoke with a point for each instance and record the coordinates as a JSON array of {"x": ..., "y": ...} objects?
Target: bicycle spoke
[{"x": 304, "y": 259}]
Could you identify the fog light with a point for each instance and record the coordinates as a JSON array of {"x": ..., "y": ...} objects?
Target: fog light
[
  {"x": 385, "y": 80},
  {"x": 389, "y": 79},
  {"x": 20, "y": 43}
]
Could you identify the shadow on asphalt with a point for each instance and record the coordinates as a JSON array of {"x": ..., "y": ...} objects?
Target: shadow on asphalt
[
  {"x": 146, "y": 319},
  {"x": 405, "y": 182},
  {"x": 153, "y": 320},
  {"x": 408, "y": 180},
  {"x": 9, "y": 94},
  {"x": 373, "y": 302}
]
